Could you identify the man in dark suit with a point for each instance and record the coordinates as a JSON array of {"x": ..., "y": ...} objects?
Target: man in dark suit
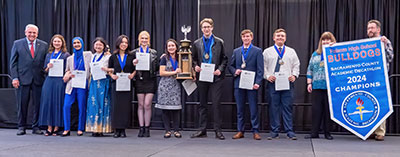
[
  {"x": 247, "y": 57},
  {"x": 209, "y": 49},
  {"x": 26, "y": 69}
]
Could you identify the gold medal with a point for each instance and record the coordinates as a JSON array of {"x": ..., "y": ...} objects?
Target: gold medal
[
  {"x": 281, "y": 62},
  {"x": 321, "y": 64},
  {"x": 243, "y": 65},
  {"x": 206, "y": 56}
]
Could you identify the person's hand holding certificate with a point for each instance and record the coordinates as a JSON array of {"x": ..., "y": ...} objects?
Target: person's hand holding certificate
[
  {"x": 57, "y": 70},
  {"x": 97, "y": 72},
  {"x": 79, "y": 79},
  {"x": 143, "y": 61},
  {"x": 207, "y": 72},
  {"x": 123, "y": 82},
  {"x": 247, "y": 79},
  {"x": 282, "y": 81}
]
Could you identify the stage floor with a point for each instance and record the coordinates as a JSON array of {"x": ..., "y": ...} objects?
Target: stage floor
[{"x": 156, "y": 145}]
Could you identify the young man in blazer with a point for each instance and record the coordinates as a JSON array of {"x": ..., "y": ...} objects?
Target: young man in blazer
[
  {"x": 209, "y": 49},
  {"x": 26, "y": 69},
  {"x": 247, "y": 57}
]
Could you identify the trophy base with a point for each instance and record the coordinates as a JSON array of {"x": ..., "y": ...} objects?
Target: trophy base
[{"x": 184, "y": 76}]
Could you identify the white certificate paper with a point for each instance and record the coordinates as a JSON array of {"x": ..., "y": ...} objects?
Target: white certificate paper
[
  {"x": 282, "y": 81},
  {"x": 123, "y": 82},
  {"x": 143, "y": 61},
  {"x": 58, "y": 68},
  {"x": 97, "y": 73},
  {"x": 189, "y": 86},
  {"x": 207, "y": 72},
  {"x": 247, "y": 79},
  {"x": 79, "y": 81}
]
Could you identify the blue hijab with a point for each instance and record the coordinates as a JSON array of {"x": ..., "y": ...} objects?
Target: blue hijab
[{"x": 79, "y": 63}]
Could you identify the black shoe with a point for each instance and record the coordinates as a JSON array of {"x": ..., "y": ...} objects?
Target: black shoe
[
  {"x": 311, "y": 136},
  {"x": 117, "y": 133},
  {"x": 95, "y": 134},
  {"x": 37, "y": 132},
  {"x": 101, "y": 134},
  {"x": 199, "y": 134},
  {"x": 63, "y": 135},
  {"x": 141, "y": 131},
  {"x": 123, "y": 134},
  {"x": 328, "y": 136},
  {"x": 78, "y": 134},
  {"x": 48, "y": 133},
  {"x": 146, "y": 131},
  {"x": 219, "y": 135},
  {"x": 21, "y": 132}
]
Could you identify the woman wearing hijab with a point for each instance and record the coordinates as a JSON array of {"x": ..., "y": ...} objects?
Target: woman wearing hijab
[
  {"x": 146, "y": 83},
  {"x": 78, "y": 63},
  {"x": 121, "y": 62},
  {"x": 98, "y": 119},
  {"x": 52, "y": 100}
]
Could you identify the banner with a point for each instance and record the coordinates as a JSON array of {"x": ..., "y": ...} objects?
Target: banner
[{"x": 358, "y": 85}]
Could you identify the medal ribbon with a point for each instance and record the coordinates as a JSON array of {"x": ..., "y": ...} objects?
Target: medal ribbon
[
  {"x": 174, "y": 63},
  {"x": 101, "y": 56},
  {"x": 122, "y": 63},
  {"x": 55, "y": 57},
  {"x": 207, "y": 48},
  {"x": 280, "y": 53}
]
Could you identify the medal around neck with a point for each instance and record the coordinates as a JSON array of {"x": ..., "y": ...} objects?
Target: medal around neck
[
  {"x": 243, "y": 65},
  {"x": 281, "y": 62}
]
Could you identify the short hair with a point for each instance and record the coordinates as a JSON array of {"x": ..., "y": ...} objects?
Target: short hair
[
  {"x": 119, "y": 41},
  {"x": 31, "y": 26},
  {"x": 325, "y": 35},
  {"x": 104, "y": 42},
  {"x": 378, "y": 24},
  {"x": 279, "y": 30},
  {"x": 246, "y": 31},
  {"x": 166, "y": 47},
  {"x": 208, "y": 20},
  {"x": 143, "y": 33},
  {"x": 63, "y": 46}
]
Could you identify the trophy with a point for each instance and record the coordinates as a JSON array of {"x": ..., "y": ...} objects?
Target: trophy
[{"x": 185, "y": 56}]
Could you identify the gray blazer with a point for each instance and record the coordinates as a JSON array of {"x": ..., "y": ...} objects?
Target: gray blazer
[
  {"x": 23, "y": 67},
  {"x": 87, "y": 55}
]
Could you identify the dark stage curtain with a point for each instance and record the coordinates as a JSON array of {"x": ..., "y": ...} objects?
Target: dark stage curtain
[{"x": 304, "y": 21}]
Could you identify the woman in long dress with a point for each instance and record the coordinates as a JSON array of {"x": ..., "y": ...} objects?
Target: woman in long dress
[
  {"x": 53, "y": 90},
  {"x": 121, "y": 62},
  {"x": 98, "y": 119}
]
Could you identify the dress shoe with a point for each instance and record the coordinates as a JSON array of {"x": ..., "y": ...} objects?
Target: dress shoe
[
  {"x": 219, "y": 135},
  {"x": 177, "y": 134},
  {"x": 238, "y": 135},
  {"x": 146, "y": 131},
  {"x": 141, "y": 131},
  {"x": 256, "y": 136},
  {"x": 67, "y": 134},
  {"x": 276, "y": 136},
  {"x": 123, "y": 134},
  {"x": 379, "y": 138},
  {"x": 79, "y": 134},
  {"x": 311, "y": 136},
  {"x": 37, "y": 132},
  {"x": 117, "y": 133},
  {"x": 292, "y": 137},
  {"x": 199, "y": 134},
  {"x": 21, "y": 132},
  {"x": 328, "y": 136}
]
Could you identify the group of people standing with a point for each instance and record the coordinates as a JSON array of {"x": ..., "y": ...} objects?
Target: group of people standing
[{"x": 104, "y": 109}]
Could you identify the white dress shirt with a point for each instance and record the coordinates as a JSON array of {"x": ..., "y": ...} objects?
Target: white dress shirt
[{"x": 291, "y": 64}]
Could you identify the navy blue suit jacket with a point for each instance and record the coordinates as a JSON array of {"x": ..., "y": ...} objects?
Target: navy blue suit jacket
[
  {"x": 254, "y": 62},
  {"x": 26, "y": 69}
]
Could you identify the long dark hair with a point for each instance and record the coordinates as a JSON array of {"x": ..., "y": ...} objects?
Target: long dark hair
[
  {"x": 102, "y": 41},
  {"x": 166, "y": 47},
  {"x": 119, "y": 41}
]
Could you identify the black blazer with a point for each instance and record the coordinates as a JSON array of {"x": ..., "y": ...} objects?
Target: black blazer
[
  {"x": 154, "y": 59},
  {"x": 113, "y": 62},
  {"x": 26, "y": 69},
  {"x": 218, "y": 55}
]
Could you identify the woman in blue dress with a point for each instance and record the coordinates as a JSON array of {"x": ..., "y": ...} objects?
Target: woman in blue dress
[
  {"x": 98, "y": 119},
  {"x": 52, "y": 100}
]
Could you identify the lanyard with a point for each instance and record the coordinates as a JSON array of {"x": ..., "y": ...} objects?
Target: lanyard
[
  {"x": 55, "y": 57},
  {"x": 174, "y": 63},
  {"x": 94, "y": 57},
  {"x": 245, "y": 53},
  {"x": 141, "y": 49},
  {"x": 207, "y": 56},
  {"x": 122, "y": 63},
  {"x": 280, "y": 53}
]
